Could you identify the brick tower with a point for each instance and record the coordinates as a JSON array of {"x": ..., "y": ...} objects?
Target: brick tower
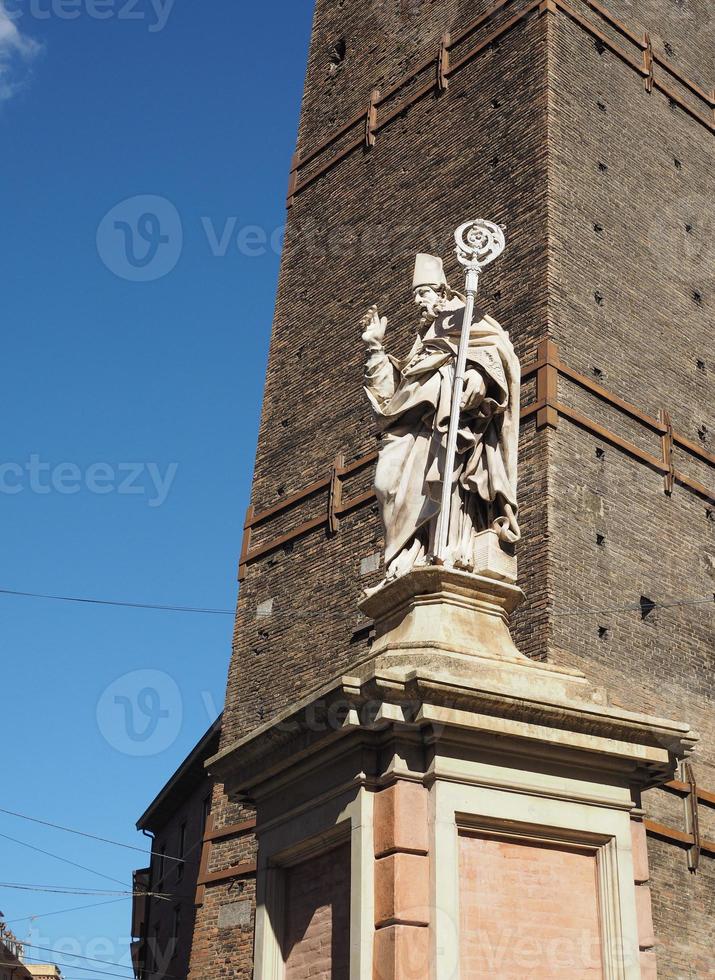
[{"x": 587, "y": 129}]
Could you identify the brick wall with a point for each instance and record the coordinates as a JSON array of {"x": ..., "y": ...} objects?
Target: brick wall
[
  {"x": 221, "y": 950},
  {"x": 317, "y": 926},
  {"x": 518, "y": 137},
  {"x": 645, "y": 339}
]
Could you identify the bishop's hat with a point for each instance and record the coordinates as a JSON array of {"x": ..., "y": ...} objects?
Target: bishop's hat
[{"x": 429, "y": 271}]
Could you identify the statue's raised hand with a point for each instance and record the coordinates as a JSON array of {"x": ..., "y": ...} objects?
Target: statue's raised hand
[{"x": 373, "y": 327}]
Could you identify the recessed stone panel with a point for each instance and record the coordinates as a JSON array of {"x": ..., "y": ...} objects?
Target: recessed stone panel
[{"x": 527, "y": 910}]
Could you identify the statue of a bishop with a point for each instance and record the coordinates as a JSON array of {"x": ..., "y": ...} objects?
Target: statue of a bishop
[{"x": 412, "y": 398}]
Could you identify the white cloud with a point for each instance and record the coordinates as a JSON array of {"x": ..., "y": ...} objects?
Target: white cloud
[{"x": 16, "y": 50}]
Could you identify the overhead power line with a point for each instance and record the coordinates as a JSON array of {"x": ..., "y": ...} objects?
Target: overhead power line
[
  {"x": 75, "y": 890},
  {"x": 64, "y": 890},
  {"x": 76, "y": 908},
  {"x": 307, "y": 611},
  {"x": 115, "y": 602},
  {"x": 64, "y": 860},
  {"x": 82, "y": 833},
  {"x": 87, "y": 959},
  {"x": 76, "y": 956},
  {"x": 88, "y": 969},
  {"x": 635, "y": 607}
]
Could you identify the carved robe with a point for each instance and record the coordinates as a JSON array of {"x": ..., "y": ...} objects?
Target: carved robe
[{"x": 412, "y": 398}]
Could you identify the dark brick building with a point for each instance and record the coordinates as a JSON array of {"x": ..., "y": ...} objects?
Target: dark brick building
[
  {"x": 162, "y": 929},
  {"x": 588, "y": 131}
]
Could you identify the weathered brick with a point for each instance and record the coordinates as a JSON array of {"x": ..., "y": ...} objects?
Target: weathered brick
[{"x": 552, "y": 133}]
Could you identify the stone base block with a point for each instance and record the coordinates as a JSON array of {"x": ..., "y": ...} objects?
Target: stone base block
[
  {"x": 644, "y": 911},
  {"x": 649, "y": 969},
  {"x": 400, "y": 819},
  {"x": 641, "y": 873},
  {"x": 401, "y": 953},
  {"x": 402, "y": 890}
]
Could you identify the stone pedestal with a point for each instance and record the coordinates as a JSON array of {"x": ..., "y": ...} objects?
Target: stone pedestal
[
  {"x": 435, "y": 609},
  {"x": 477, "y": 813}
]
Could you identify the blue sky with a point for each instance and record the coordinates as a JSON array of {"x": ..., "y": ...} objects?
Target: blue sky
[{"x": 146, "y": 149}]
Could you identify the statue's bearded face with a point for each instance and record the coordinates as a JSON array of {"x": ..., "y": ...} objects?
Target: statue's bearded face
[{"x": 431, "y": 302}]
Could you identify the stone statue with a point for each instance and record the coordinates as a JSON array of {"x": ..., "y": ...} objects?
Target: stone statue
[{"x": 412, "y": 399}]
